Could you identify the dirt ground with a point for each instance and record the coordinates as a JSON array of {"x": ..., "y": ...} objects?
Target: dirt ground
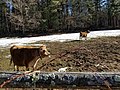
[{"x": 94, "y": 55}]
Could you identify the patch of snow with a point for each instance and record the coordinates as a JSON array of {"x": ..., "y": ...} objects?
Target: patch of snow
[
  {"x": 63, "y": 69},
  {"x": 4, "y": 42},
  {"x": 95, "y": 34}
]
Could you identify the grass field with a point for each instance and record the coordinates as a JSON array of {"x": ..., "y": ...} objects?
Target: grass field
[{"x": 97, "y": 54}]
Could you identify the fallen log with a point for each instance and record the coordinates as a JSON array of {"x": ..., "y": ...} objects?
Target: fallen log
[{"x": 40, "y": 79}]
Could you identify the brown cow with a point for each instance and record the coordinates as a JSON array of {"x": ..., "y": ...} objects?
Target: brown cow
[
  {"x": 27, "y": 56},
  {"x": 84, "y": 34}
]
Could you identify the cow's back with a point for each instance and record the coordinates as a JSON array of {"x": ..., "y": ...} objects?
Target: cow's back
[{"x": 21, "y": 56}]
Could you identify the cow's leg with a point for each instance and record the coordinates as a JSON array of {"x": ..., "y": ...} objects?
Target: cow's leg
[
  {"x": 14, "y": 67},
  {"x": 17, "y": 68},
  {"x": 79, "y": 37},
  {"x": 86, "y": 37},
  {"x": 27, "y": 67}
]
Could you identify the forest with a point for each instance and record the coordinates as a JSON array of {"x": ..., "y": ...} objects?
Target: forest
[{"x": 43, "y": 17}]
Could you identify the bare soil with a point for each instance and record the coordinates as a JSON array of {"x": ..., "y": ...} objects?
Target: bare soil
[{"x": 94, "y": 55}]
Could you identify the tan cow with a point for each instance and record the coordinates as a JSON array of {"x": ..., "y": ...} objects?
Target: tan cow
[
  {"x": 83, "y": 34},
  {"x": 27, "y": 56}
]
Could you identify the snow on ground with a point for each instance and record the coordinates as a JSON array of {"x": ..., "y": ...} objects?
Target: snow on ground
[{"x": 62, "y": 37}]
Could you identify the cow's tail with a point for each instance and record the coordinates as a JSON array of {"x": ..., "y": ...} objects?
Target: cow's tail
[
  {"x": 11, "y": 51},
  {"x": 10, "y": 61}
]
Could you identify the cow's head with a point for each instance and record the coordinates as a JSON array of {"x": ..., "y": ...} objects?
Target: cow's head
[{"x": 43, "y": 51}]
